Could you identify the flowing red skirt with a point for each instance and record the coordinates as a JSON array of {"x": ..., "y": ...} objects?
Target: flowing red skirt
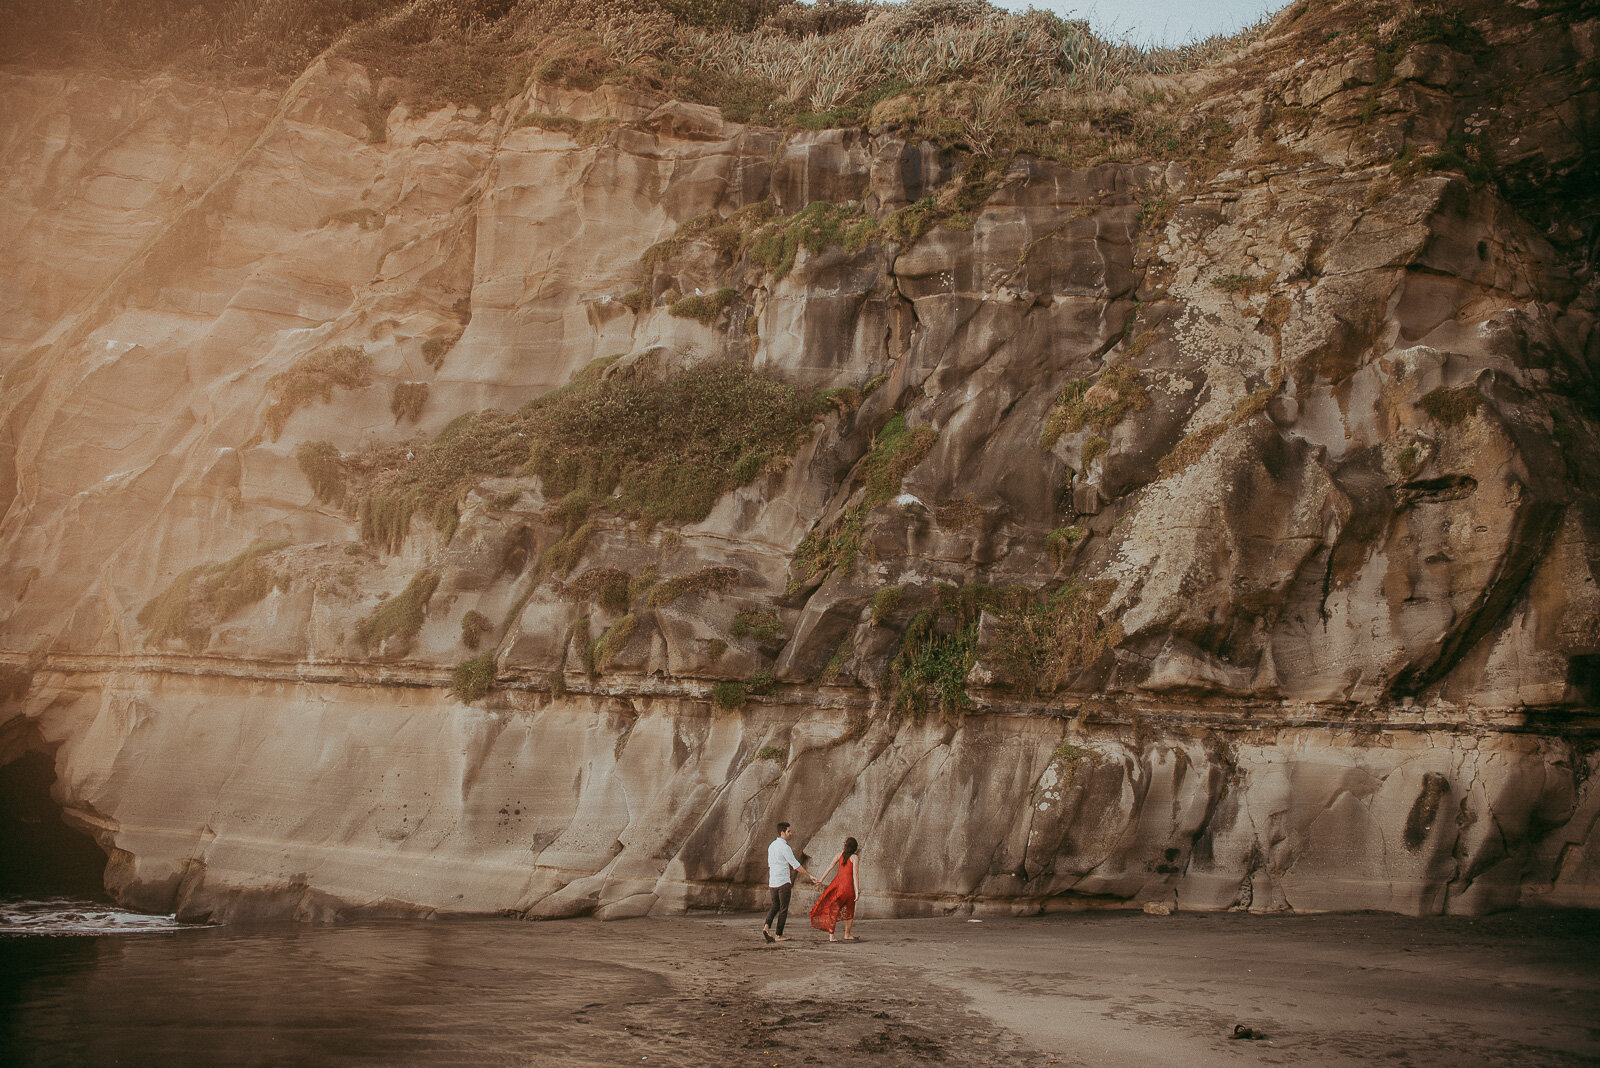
[{"x": 838, "y": 901}]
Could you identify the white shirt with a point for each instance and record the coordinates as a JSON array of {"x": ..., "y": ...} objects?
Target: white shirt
[{"x": 780, "y": 858}]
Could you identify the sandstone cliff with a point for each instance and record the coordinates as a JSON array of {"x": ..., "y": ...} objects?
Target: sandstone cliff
[{"x": 1213, "y": 523}]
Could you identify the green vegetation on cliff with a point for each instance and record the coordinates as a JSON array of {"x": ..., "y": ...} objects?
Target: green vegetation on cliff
[
  {"x": 634, "y": 441},
  {"x": 1100, "y": 405},
  {"x": 314, "y": 378},
  {"x": 474, "y": 626},
  {"x": 703, "y": 308},
  {"x": 473, "y": 678},
  {"x": 1043, "y": 645},
  {"x": 202, "y": 596},
  {"x": 399, "y": 616},
  {"x": 940, "y": 646},
  {"x": 895, "y": 451},
  {"x": 1036, "y": 643},
  {"x": 665, "y": 446}
]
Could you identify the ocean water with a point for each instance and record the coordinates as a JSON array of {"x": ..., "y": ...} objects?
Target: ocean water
[
  {"x": 62, "y": 916},
  {"x": 84, "y": 983}
]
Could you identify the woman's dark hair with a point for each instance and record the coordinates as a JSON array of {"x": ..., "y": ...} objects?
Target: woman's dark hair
[{"x": 849, "y": 850}]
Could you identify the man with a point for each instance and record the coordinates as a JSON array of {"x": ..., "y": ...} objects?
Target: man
[{"x": 780, "y": 861}]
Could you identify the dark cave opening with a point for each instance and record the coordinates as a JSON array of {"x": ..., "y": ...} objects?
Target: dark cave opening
[{"x": 40, "y": 856}]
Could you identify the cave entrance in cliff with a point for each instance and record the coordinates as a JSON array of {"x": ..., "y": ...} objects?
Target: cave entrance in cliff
[{"x": 40, "y": 856}]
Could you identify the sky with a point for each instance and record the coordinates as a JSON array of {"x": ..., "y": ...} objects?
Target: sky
[{"x": 1161, "y": 22}]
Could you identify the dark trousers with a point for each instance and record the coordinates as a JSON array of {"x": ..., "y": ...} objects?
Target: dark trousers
[{"x": 780, "y": 907}]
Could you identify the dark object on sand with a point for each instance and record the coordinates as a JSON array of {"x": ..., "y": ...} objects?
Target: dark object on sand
[{"x": 1241, "y": 1031}]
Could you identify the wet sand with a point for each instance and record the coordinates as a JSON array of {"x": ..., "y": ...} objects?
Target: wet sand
[
  {"x": 1130, "y": 989},
  {"x": 1086, "y": 989}
]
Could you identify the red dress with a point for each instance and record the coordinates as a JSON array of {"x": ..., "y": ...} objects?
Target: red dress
[{"x": 838, "y": 901}]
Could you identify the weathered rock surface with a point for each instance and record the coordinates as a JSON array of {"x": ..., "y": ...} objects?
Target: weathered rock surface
[
  {"x": 233, "y": 798},
  {"x": 1340, "y": 538}
]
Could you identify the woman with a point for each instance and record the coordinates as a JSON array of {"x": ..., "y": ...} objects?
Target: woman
[{"x": 838, "y": 901}]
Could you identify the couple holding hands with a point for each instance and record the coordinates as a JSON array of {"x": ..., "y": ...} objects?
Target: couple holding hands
[{"x": 838, "y": 901}]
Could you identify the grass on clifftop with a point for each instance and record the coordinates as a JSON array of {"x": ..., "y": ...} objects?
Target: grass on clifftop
[{"x": 952, "y": 70}]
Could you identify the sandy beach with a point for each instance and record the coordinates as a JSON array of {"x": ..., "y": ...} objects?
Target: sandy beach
[
  {"x": 1103, "y": 989},
  {"x": 1132, "y": 989}
]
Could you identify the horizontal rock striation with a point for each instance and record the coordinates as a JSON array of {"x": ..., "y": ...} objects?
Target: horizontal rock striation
[
  {"x": 525, "y": 508},
  {"x": 237, "y": 796}
]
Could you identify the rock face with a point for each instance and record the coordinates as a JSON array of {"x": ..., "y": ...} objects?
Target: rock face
[{"x": 1219, "y": 531}]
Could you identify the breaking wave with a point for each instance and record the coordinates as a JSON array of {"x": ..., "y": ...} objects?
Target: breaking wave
[{"x": 77, "y": 916}]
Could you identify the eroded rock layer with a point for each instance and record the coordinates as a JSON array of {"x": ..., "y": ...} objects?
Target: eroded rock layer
[
  {"x": 237, "y": 797},
  {"x": 1218, "y": 530}
]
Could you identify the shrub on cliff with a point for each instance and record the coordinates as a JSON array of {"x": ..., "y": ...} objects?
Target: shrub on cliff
[
  {"x": 323, "y": 467},
  {"x": 884, "y": 603},
  {"x": 1451, "y": 407},
  {"x": 474, "y": 626},
  {"x": 433, "y": 478},
  {"x": 1197, "y": 443},
  {"x": 939, "y": 648},
  {"x": 399, "y": 617},
  {"x": 407, "y": 400},
  {"x": 658, "y": 446},
  {"x": 895, "y": 450},
  {"x": 754, "y": 232},
  {"x": 762, "y": 624},
  {"x": 473, "y": 678},
  {"x": 1101, "y": 405},
  {"x": 728, "y": 696},
  {"x": 585, "y": 132},
  {"x": 314, "y": 378},
  {"x": 777, "y": 243},
  {"x": 703, "y": 308},
  {"x": 1041, "y": 646},
  {"x": 207, "y": 594},
  {"x": 613, "y": 641},
  {"x": 609, "y": 587},
  {"x": 665, "y": 446},
  {"x": 435, "y": 349},
  {"x": 707, "y": 579}
]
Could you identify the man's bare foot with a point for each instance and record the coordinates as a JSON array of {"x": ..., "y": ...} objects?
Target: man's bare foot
[
  {"x": 782, "y": 938},
  {"x": 767, "y": 935},
  {"x": 847, "y": 938}
]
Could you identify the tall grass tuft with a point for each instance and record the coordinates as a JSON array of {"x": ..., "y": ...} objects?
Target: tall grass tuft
[
  {"x": 1041, "y": 646},
  {"x": 314, "y": 378},
  {"x": 473, "y": 678},
  {"x": 205, "y": 595},
  {"x": 399, "y": 617},
  {"x": 963, "y": 67}
]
